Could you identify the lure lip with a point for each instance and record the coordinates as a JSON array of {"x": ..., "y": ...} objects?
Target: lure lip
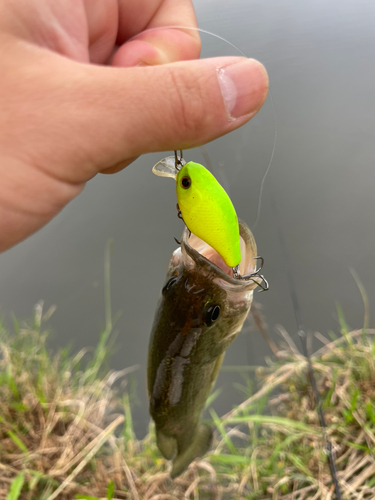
[
  {"x": 248, "y": 252},
  {"x": 167, "y": 167}
]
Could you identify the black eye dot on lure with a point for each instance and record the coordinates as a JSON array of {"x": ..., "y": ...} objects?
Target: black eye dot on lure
[{"x": 186, "y": 182}]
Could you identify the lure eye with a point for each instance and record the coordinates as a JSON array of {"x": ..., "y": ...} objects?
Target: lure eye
[
  {"x": 169, "y": 284},
  {"x": 212, "y": 314},
  {"x": 186, "y": 182}
]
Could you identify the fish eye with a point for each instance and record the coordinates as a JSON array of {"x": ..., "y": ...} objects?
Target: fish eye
[
  {"x": 212, "y": 314},
  {"x": 169, "y": 284},
  {"x": 186, "y": 182}
]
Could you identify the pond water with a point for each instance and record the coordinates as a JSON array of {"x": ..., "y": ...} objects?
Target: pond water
[{"x": 320, "y": 58}]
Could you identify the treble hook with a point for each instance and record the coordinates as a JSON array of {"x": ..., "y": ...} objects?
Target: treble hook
[
  {"x": 253, "y": 275},
  {"x": 266, "y": 286},
  {"x": 179, "y": 215},
  {"x": 261, "y": 264}
]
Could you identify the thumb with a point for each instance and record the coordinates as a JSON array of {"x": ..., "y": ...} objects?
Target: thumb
[
  {"x": 174, "y": 106},
  {"x": 83, "y": 119}
]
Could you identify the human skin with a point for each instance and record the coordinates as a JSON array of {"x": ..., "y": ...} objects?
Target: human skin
[{"x": 78, "y": 98}]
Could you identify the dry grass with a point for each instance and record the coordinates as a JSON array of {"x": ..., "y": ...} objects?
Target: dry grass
[{"x": 66, "y": 431}]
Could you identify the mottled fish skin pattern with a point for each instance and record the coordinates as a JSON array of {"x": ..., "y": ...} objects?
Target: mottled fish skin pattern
[{"x": 186, "y": 351}]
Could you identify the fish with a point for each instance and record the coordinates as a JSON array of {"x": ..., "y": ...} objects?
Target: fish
[{"x": 200, "y": 313}]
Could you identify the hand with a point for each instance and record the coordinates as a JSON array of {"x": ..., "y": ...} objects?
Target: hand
[{"x": 78, "y": 98}]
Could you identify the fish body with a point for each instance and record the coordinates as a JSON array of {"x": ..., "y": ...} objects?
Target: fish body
[
  {"x": 201, "y": 311},
  {"x": 208, "y": 211}
]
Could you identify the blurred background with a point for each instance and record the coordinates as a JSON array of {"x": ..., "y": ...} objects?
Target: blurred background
[{"x": 321, "y": 61}]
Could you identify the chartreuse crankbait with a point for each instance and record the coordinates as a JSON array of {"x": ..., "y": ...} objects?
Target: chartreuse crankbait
[{"x": 206, "y": 209}]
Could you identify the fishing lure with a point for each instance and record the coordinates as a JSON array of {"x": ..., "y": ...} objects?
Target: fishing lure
[{"x": 206, "y": 209}]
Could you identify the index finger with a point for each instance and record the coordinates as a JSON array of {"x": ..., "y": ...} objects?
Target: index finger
[{"x": 140, "y": 43}]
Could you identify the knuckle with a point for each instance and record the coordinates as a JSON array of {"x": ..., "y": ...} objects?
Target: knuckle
[{"x": 189, "y": 101}]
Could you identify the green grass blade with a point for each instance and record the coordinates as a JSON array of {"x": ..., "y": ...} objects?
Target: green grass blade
[
  {"x": 87, "y": 497},
  {"x": 16, "y": 487},
  {"x": 107, "y": 285},
  {"x": 270, "y": 420},
  {"x": 11, "y": 382},
  {"x": 361, "y": 288},
  {"x": 299, "y": 464},
  {"x": 17, "y": 441},
  {"x": 110, "y": 490},
  {"x": 211, "y": 398},
  {"x": 128, "y": 431},
  {"x": 344, "y": 327},
  {"x": 229, "y": 459},
  {"x": 223, "y": 432}
]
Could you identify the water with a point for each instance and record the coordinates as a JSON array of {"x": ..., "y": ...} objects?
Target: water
[{"x": 319, "y": 57}]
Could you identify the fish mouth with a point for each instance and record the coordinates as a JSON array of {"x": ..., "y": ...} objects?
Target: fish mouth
[{"x": 204, "y": 256}]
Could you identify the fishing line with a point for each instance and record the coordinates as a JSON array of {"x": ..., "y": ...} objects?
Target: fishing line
[
  {"x": 200, "y": 30},
  {"x": 305, "y": 350},
  {"x": 269, "y": 164}
]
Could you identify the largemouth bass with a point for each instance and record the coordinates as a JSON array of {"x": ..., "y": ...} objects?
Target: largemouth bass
[{"x": 201, "y": 311}]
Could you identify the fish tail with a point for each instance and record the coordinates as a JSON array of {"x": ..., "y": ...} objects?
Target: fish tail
[{"x": 198, "y": 447}]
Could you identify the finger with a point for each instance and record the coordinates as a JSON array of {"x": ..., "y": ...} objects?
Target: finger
[
  {"x": 178, "y": 106},
  {"x": 155, "y": 42},
  {"x": 76, "y": 120},
  {"x": 136, "y": 16},
  {"x": 102, "y": 27},
  {"x": 158, "y": 46}
]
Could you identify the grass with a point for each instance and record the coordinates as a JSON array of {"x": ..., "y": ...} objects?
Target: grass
[{"x": 66, "y": 429}]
